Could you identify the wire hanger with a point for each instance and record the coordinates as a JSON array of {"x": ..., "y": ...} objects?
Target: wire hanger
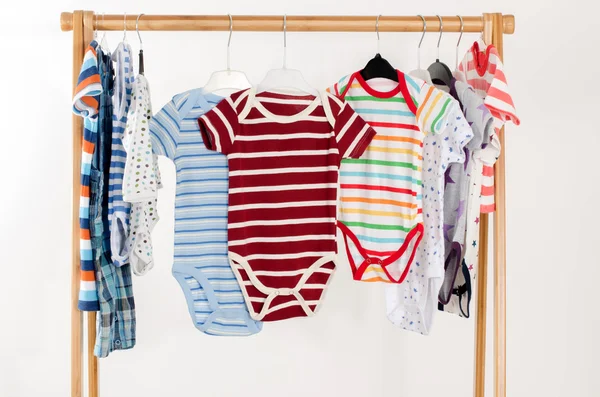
[
  {"x": 285, "y": 78},
  {"x": 439, "y": 71},
  {"x": 96, "y": 27},
  {"x": 228, "y": 81},
  {"x": 422, "y": 74},
  {"x": 462, "y": 26},
  {"x": 103, "y": 41},
  {"x": 141, "y": 54},
  {"x": 458, "y": 75},
  {"x": 124, "y": 27},
  {"x": 379, "y": 66}
]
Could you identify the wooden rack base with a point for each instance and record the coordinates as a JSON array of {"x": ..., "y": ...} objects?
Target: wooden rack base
[{"x": 492, "y": 26}]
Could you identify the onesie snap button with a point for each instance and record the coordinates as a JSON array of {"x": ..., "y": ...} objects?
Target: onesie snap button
[
  {"x": 276, "y": 292},
  {"x": 369, "y": 261},
  {"x": 380, "y": 262}
]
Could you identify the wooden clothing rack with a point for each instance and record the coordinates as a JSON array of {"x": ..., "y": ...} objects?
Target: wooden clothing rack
[{"x": 493, "y": 26}]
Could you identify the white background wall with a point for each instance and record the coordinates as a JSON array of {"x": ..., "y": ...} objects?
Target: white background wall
[{"x": 349, "y": 349}]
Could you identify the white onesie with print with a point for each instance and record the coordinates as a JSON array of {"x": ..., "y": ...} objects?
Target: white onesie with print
[{"x": 141, "y": 180}]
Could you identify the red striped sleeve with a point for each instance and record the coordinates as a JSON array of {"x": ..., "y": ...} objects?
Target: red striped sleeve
[{"x": 353, "y": 134}]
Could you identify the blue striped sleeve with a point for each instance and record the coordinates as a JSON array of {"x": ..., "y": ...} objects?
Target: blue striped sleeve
[{"x": 164, "y": 129}]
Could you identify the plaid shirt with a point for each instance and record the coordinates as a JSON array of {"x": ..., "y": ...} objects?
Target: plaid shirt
[{"x": 116, "y": 322}]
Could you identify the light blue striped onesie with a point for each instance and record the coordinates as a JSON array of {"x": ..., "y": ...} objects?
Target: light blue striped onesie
[
  {"x": 214, "y": 298},
  {"x": 118, "y": 210}
]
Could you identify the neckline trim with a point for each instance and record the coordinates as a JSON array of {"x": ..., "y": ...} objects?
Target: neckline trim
[
  {"x": 279, "y": 118},
  {"x": 381, "y": 94}
]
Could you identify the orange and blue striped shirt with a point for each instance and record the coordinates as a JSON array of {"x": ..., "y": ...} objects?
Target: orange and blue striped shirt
[{"x": 85, "y": 104}]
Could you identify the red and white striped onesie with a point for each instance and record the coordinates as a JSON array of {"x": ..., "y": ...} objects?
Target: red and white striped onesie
[
  {"x": 484, "y": 71},
  {"x": 284, "y": 152}
]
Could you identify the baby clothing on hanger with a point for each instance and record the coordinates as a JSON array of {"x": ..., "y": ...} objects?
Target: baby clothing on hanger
[
  {"x": 141, "y": 178},
  {"x": 456, "y": 191},
  {"x": 284, "y": 153},
  {"x": 119, "y": 209},
  {"x": 381, "y": 216},
  {"x": 413, "y": 304},
  {"x": 484, "y": 71},
  {"x": 116, "y": 319},
  {"x": 201, "y": 267},
  {"x": 480, "y": 120},
  {"x": 86, "y": 104}
]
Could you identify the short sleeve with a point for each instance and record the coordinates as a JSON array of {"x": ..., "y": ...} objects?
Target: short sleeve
[
  {"x": 89, "y": 87},
  {"x": 219, "y": 126},
  {"x": 164, "y": 129},
  {"x": 352, "y": 134},
  {"x": 434, "y": 108},
  {"x": 339, "y": 89},
  {"x": 457, "y": 135},
  {"x": 498, "y": 99}
]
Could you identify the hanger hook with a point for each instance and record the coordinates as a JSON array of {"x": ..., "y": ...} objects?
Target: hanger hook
[
  {"x": 103, "y": 34},
  {"x": 462, "y": 26},
  {"x": 229, "y": 41},
  {"x": 377, "y": 31},
  {"x": 440, "y": 38},
  {"x": 424, "y": 30},
  {"x": 420, "y": 42},
  {"x": 230, "y": 29},
  {"x": 284, "y": 40},
  {"x": 95, "y": 26},
  {"x": 124, "y": 26},
  {"x": 137, "y": 29}
]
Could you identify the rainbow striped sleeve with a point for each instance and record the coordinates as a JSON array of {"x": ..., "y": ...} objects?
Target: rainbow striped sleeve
[
  {"x": 85, "y": 104},
  {"x": 434, "y": 107}
]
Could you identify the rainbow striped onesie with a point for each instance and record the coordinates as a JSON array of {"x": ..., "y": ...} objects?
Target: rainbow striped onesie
[{"x": 381, "y": 216}]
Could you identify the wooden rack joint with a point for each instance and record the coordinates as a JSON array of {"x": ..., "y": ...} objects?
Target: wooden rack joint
[{"x": 493, "y": 26}]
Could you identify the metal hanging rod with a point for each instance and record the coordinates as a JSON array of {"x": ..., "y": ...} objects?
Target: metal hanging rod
[{"x": 272, "y": 23}]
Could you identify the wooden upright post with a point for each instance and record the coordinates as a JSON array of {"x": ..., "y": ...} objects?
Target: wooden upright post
[
  {"x": 76, "y": 315},
  {"x": 500, "y": 244},
  {"x": 482, "y": 278}
]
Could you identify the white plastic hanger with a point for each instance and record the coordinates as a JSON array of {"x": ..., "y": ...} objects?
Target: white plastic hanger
[
  {"x": 458, "y": 75},
  {"x": 226, "y": 82},
  {"x": 284, "y": 78},
  {"x": 419, "y": 73}
]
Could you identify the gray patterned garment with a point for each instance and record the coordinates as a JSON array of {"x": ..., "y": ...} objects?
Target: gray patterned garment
[{"x": 455, "y": 294}]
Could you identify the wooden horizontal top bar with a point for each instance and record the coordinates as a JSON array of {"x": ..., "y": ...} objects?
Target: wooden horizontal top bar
[{"x": 295, "y": 23}]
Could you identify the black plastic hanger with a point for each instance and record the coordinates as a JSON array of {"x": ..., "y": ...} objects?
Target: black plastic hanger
[
  {"x": 141, "y": 55},
  {"x": 378, "y": 66},
  {"x": 439, "y": 71}
]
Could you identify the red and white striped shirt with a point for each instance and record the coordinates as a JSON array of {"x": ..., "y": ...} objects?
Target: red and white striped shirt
[
  {"x": 484, "y": 71},
  {"x": 284, "y": 152}
]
